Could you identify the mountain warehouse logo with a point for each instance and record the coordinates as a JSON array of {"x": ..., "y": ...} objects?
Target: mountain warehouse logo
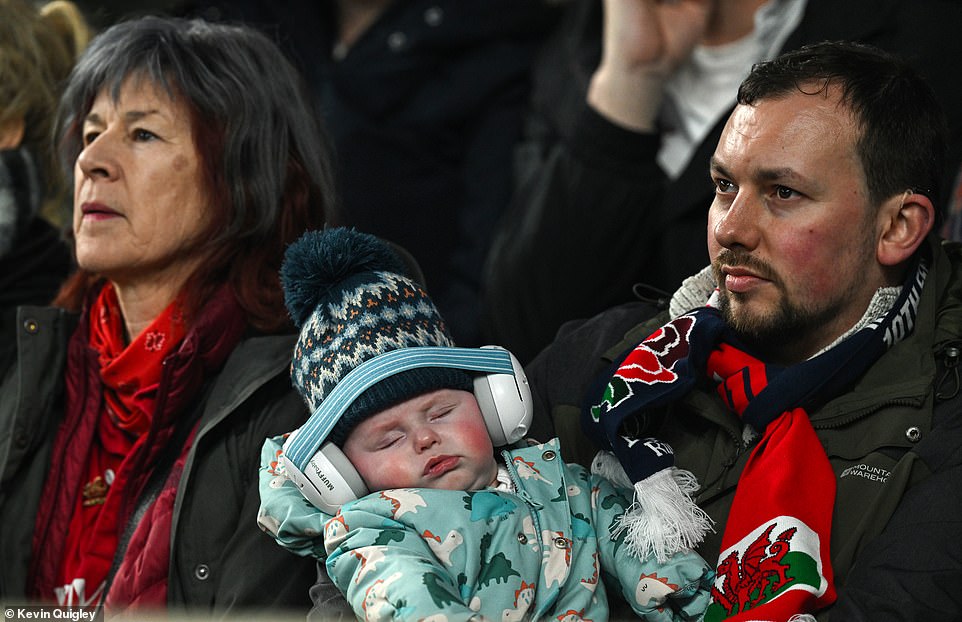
[
  {"x": 779, "y": 557},
  {"x": 866, "y": 471}
]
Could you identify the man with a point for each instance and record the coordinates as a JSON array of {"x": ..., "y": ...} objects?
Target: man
[
  {"x": 810, "y": 365},
  {"x": 628, "y": 105}
]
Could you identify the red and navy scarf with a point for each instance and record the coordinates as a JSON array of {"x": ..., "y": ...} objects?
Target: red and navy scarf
[{"x": 775, "y": 560}]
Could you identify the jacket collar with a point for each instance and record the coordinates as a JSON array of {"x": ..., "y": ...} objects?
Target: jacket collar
[
  {"x": 904, "y": 374},
  {"x": 253, "y": 363}
]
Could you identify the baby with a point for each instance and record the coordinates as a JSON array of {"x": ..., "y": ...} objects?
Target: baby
[{"x": 452, "y": 529}]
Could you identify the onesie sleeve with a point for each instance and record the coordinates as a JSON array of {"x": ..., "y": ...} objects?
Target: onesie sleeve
[
  {"x": 284, "y": 513},
  {"x": 384, "y": 567},
  {"x": 678, "y": 589}
]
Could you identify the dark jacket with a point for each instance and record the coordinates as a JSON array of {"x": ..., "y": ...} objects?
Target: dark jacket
[
  {"x": 30, "y": 274},
  {"x": 424, "y": 111},
  {"x": 900, "y": 424},
  {"x": 593, "y": 214},
  {"x": 34, "y": 260},
  {"x": 220, "y": 561}
]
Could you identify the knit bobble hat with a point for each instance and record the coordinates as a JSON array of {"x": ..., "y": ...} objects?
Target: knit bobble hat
[{"x": 353, "y": 298}]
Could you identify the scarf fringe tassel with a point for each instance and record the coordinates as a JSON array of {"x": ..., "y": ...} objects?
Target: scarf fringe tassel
[{"x": 663, "y": 519}]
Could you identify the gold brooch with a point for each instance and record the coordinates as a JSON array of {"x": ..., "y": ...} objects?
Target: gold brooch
[{"x": 95, "y": 492}]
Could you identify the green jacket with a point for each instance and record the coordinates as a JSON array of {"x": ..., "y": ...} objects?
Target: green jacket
[
  {"x": 882, "y": 437},
  {"x": 220, "y": 560},
  {"x": 534, "y": 553}
]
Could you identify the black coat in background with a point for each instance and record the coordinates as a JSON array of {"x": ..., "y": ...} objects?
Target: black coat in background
[
  {"x": 34, "y": 259},
  {"x": 425, "y": 111}
]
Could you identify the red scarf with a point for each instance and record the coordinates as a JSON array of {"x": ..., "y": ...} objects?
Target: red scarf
[
  {"x": 774, "y": 560},
  {"x": 61, "y": 540},
  {"x": 131, "y": 372},
  {"x": 130, "y": 375}
]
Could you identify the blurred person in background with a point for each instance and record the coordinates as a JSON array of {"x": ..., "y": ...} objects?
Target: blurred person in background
[
  {"x": 38, "y": 47},
  {"x": 952, "y": 227},
  {"x": 424, "y": 101}
]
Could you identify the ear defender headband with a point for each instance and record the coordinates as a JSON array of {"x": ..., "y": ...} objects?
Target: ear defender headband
[{"x": 324, "y": 474}]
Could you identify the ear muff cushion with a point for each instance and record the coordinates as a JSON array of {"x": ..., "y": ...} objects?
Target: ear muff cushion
[
  {"x": 329, "y": 480},
  {"x": 505, "y": 403},
  {"x": 489, "y": 410}
]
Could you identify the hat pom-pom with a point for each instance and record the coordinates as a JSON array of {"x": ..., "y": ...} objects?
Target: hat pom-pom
[{"x": 320, "y": 261}]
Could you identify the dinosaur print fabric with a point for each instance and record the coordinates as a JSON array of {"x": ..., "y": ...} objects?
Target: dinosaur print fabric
[{"x": 541, "y": 552}]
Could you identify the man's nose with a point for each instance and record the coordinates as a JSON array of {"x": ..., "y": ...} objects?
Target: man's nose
[{"x": 737, "y": 225}]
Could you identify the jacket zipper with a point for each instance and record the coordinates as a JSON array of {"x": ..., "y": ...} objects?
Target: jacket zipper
[{"x": 521, "y": 492}]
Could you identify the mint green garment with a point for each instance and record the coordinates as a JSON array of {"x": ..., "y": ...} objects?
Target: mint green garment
[{"x": 542, "y": 552}]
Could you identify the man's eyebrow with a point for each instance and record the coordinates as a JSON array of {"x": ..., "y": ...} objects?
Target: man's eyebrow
[
  {"x": 775, "y": 174},
  {"x": 762, "y": 174},
  {"x": 715, "y": 166}
]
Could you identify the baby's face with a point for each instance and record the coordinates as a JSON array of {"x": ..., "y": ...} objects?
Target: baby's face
[{"x": 434, "y": 440}]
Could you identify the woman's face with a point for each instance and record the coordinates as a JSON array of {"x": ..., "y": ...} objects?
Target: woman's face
[{"x": 140, "y": 205}]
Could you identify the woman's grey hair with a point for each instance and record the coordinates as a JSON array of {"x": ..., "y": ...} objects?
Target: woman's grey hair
[{"x": 238, "y": 85}]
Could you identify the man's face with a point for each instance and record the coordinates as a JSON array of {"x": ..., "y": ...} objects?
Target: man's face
[
  {"x": 435, "y": 440},
  {"x": 791, "y": 232}
]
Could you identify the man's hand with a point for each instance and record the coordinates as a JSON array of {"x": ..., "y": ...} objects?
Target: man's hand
[{"x": 644, "y": 41}]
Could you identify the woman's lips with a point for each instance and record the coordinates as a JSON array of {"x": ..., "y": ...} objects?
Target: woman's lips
[
  {"x": 97, "y": 211},
  {"x": 440, "y": 465}
]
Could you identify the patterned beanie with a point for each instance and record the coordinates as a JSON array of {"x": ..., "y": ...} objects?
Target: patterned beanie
[{"x": 353, "y": 297}]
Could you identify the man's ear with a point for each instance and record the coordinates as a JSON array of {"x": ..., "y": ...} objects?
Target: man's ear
[
  {"x": 904, "y": 222},
  {"x": 11, "y": 133}
]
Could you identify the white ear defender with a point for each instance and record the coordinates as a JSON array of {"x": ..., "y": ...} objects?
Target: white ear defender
[
  {"x": 324, "y": 474},
  {"x": 505, "y": 402}
]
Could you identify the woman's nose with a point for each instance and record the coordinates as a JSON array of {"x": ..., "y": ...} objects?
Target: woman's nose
[{"x": 98, "y": 160}]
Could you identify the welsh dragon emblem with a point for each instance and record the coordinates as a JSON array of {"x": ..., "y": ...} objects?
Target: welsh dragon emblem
[{"x": 758, "y": 575}]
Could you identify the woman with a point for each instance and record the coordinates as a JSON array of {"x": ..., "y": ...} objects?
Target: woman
[
  {"x": 38, "y": 47},
  {"x": 130, "y": 425}
]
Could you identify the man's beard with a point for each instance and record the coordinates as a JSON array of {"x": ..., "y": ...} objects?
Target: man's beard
[{"x": 779, "y": 329}]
